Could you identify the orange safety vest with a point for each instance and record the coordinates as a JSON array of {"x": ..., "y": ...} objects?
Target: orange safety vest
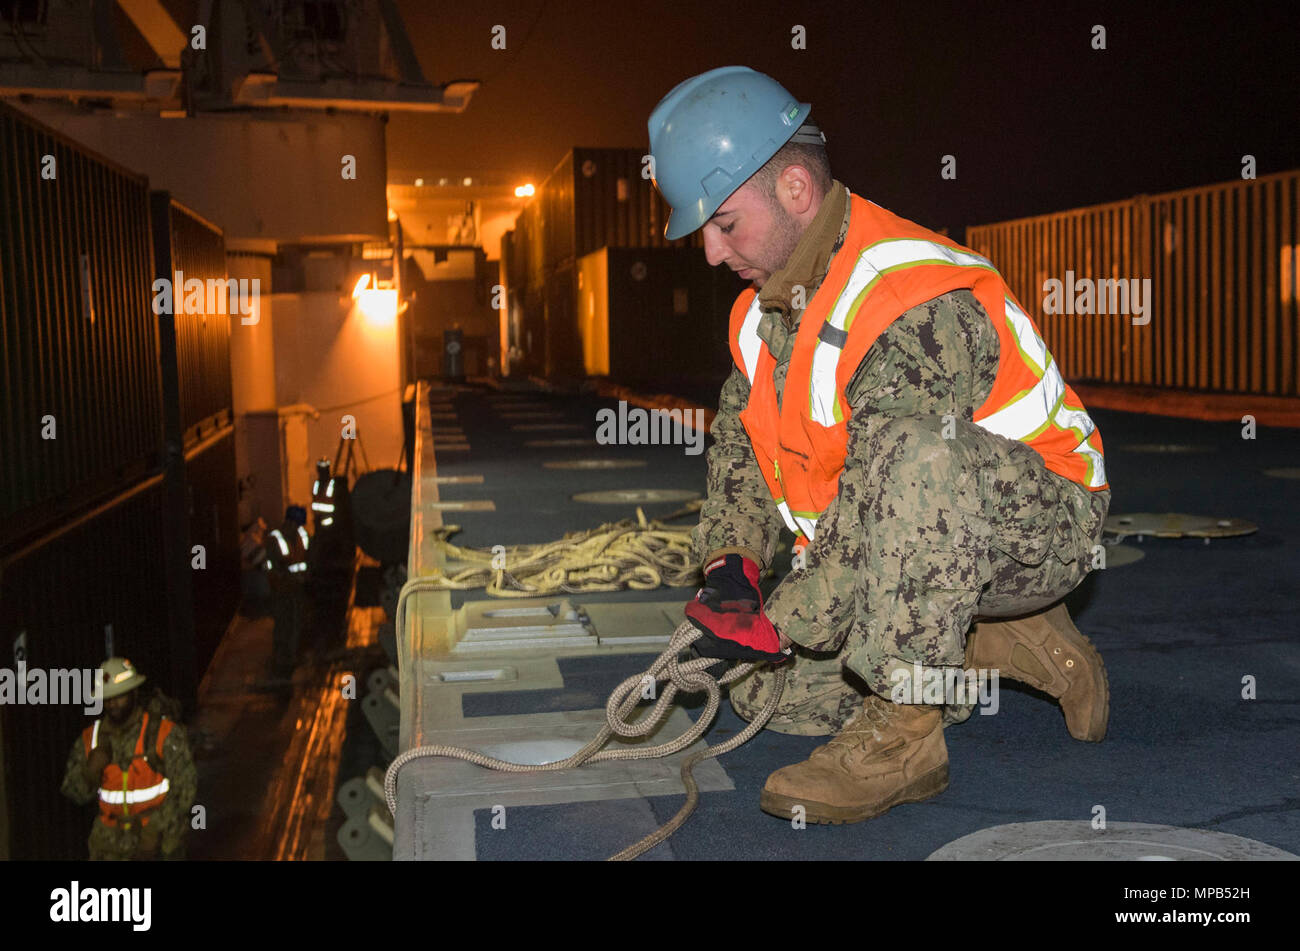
[
  {"x": 887, "y": 266},
  {"x": 139, "y": 788},
  {"x": 294, "y": 555}
]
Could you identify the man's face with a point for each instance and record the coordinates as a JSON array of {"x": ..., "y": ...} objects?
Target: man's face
[
  {"x": 119, "y": 709},
  {"x": 752, "y": 234}
]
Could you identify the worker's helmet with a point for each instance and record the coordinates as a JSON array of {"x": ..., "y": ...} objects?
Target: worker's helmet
[
  {"x": 323, "y": 470},
  {"x": 120, "y": 677},
  {"x": 296, "y": 514},
  {"x": 712, "y": 132}
]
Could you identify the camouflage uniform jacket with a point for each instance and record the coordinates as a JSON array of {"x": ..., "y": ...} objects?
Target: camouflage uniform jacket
[
  {"x": 172, "y": 817},
  {"x": 938, "y": 358}
]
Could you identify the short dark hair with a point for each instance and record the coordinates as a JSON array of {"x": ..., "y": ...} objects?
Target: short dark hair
[{"x": 811, "y": 157}]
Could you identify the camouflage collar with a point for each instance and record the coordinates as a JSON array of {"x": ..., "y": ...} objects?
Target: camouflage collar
[{"x": 811, "y": 258}]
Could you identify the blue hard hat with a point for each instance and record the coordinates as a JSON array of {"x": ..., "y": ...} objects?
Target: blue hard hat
[
  {"x": 296, "y": 513},
  {"x": 711, "y": 133}
]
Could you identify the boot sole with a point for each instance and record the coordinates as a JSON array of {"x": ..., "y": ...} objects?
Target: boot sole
[{"x": 924, "y": 787}]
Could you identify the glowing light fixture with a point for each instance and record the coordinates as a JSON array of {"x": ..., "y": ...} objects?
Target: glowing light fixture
[
  {"x": 362, "y": 283},
  {"x": 524, "y": 191},
  {"x": 378, "y": 306},
  {"x": 392, "y": 215},
  {"x": 419, "y": 182}
]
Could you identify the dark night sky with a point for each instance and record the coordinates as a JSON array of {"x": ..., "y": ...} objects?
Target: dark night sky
[{"x": 1037, "y": 119}]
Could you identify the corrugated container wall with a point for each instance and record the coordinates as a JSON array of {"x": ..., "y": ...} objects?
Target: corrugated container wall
[
  {"x": 594, "y": 198},
  {"x": 1222, "y": 260},
  {"x": 106, "y": 571},
  {"x": 658, "y": 317},
  {"x": 198, "y": 250},
  {"x": 80, "y": 341}
]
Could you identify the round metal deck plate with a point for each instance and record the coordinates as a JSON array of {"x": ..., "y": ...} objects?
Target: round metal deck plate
[
  {"x": 1176, "y": 525},
  {"x": 1119, "y": 555},
  {"x": 1166, "y": 447},
  {"x": 626, "y": 496},
  {"x": 1283, "y": 473},
  {"x": 595, "y": 464},
  {"x": 1064, "y": 841}
]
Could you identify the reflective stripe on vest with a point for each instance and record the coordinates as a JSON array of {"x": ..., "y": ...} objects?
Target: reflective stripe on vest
[
  {"x": 279, "y": 539},
  {"x": 302, "y": 534},
  {"x": 322, "y": 506},
  {"x": 133, "y": 797}
]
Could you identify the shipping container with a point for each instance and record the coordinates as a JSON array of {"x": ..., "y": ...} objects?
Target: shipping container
[
  {"x": 82, "y": 413},
  {"x": 188, "y": 247},
  {"x": 594, "y": 198},
  {"x": 60, "y": 598},
  {"x": 1221, "y": 260},
  {"x": 211, "y": 516},
  {"x": 656, "y": 318}
]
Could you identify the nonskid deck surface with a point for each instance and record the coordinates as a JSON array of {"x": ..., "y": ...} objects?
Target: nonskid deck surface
[{"x": 1179, "y": 630}]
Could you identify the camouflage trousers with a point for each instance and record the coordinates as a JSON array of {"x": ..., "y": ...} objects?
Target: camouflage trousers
[
  {"x": 117, "y": 844},
  {"x": 929, "y": 534}
]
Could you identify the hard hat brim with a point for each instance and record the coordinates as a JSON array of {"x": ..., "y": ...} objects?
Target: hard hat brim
[{"x": 126, "y": 686}]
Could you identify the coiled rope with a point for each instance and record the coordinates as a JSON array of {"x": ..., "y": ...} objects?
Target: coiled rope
[
  {"x": 687, "y": 676},
  {"x": 634, "y": 553}
]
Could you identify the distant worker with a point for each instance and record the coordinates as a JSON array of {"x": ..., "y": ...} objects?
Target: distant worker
[
  {"x": 323, "y": 505},
  {"x": 136, "y": 761},
  {"x": 287, "y": 548},
  {"x": 896, "y": 409},
  {"x": 333, "y": 554}
]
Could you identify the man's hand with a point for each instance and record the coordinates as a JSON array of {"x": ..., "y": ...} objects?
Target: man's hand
[
  {"x": 729, "y": 610},
  {"x": 96, "y": 761}
]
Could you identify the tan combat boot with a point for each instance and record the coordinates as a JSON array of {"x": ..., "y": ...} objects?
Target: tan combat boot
[
  {"x": 1047, "y": 652},
  {"x": 888, "y": 753}
]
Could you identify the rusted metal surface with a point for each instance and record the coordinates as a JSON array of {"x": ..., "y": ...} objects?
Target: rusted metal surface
[{"x": 1222, "y": 261}]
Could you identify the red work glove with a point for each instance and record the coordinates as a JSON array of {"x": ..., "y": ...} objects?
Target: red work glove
[{"x": 729, "y": 610}]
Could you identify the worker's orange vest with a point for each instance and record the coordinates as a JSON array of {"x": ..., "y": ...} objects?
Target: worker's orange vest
[
  {"x": 139, "y": 788},
  {"x": 887, "y": 266}
]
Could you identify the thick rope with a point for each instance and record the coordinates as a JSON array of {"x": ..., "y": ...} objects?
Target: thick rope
[
  {"x": 689, "y": 676},
  {"x": 635, "y": 553}
]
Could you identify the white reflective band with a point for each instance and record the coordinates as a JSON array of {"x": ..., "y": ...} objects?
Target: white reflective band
[
  {"x": 268, "y": 563},
  {"x": 284, "y": 546},
  {"x": 784, "y": 508},
  {"x": 94, "y": 735},
  {"x": 749, "y": 340},
  {"x": 132, "y": 797},
  {"x": 807, "y": 525},
  {"x": 315, "y": 486},
  {"x": 322, "y": 506},
  {"x": 327, "y": 521},
  {"x": 329, "y": 490},
  {"x": 1032, "y": 348},
  {"x": 872, "y": 262},
  {"x": 898, "y": 252},
  {"x": 300, "y": 566},
  {"x": 302, "y": 533},
  {"x": 1027, "y": 415},
  {"x": 1081, "y": 422}
]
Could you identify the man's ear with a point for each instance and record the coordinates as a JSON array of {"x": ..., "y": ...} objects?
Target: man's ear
[{"x": 795, "y": 191}]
